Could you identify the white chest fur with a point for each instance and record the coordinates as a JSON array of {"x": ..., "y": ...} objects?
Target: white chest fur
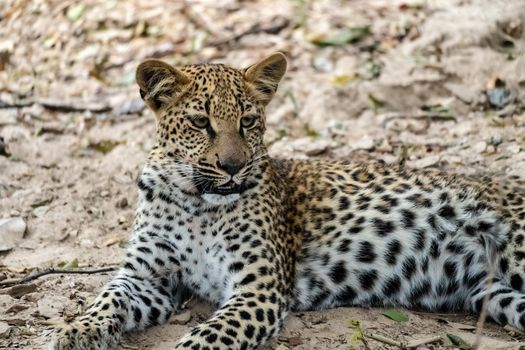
[
  {"x": 200, "y": 247},
  {"x": 204, "y": 258}
]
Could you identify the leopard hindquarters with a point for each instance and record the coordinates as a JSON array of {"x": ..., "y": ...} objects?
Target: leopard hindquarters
[{"x": 391, "y": 237}]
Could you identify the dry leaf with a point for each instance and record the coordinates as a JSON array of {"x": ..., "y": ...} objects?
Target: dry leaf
[
  {"x": 19, "y": 291},
  {"x": 16, "y": 308}
]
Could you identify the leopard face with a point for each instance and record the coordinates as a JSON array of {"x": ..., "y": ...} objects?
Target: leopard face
[{"x": 210, "y": 123}]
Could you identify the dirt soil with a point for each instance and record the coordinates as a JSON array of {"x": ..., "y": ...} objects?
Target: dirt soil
[{"x": 426, "y": 83}]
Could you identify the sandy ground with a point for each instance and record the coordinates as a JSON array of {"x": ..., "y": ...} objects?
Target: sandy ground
[{"x": 428, "y": 83}]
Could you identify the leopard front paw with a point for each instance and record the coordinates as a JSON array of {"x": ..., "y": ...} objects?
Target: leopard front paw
[{"x": 85, "y": 335}]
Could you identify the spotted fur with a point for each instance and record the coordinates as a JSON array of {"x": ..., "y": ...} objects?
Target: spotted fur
[{"x": 260, "y": 237}]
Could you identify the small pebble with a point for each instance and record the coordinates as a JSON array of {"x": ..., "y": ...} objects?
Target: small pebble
[
  {"x": 87, "y": 243},
  {"x": 5, "y": 329},
  {"x": 514, "y": 148},
  {"x": 480, "y": 147},
  {"x": 122, "y": 203},
  {"x": 295, "y": 341},
  {"x": 495, "y": 140},
  {"x": 181, "y": 318}
]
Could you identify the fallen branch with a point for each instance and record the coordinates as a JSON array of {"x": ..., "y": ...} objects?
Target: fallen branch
[
  {"x": 415, "y": 343},
  {"x": 277, "y": 24},
  {"x": 201, "y": 20},
  {"x": 52, "y": 271},
  {"x": 57, "y": 105},
  {"x": 221, "y": 40},
  {"x": 410, "y": 345},
  {"x": 434, "y": 116}
]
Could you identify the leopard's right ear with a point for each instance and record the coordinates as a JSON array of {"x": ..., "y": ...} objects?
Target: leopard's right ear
[{"x": 159, "y": 83}]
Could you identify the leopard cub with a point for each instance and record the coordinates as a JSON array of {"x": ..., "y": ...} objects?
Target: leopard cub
[{"x": 260, "y": 237}]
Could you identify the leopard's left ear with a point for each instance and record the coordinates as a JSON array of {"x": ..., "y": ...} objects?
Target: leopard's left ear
[{"x": 265, "y": 76}]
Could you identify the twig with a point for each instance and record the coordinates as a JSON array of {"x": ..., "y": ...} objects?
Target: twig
[
  {"x": 402, "y": 345},
  {"x": 434, "y": 116},
  {"x": 512, "y": 329},
  {"x": 52, "y": 271},
  {"x": 484, "y": 308},
  {"x": 384, "y": 340},
  {"x": 52, "y": 322},
  {"x": 15, "y": 104},
  {"x": 3, "y": 148}
]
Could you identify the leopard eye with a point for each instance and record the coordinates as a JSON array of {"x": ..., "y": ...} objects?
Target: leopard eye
[
  {"x": 248, "y": 121},
  {"x": 200, "y": 122}
]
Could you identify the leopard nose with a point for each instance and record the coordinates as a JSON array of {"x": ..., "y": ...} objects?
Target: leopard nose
[{"x": 231, "y": 166}]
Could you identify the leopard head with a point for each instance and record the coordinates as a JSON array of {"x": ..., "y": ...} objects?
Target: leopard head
[{"x": 210, "y": 123}]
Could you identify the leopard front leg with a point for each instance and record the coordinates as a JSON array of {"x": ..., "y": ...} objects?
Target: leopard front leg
[
  {"x": 140, "y": 295},
  {"x": 248, "y": 320}
]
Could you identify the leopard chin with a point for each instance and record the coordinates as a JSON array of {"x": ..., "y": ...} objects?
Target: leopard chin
[{"x": 219, "y": 199}]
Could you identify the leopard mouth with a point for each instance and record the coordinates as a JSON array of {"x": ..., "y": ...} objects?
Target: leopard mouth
[{"x": 226, "y": 189}]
